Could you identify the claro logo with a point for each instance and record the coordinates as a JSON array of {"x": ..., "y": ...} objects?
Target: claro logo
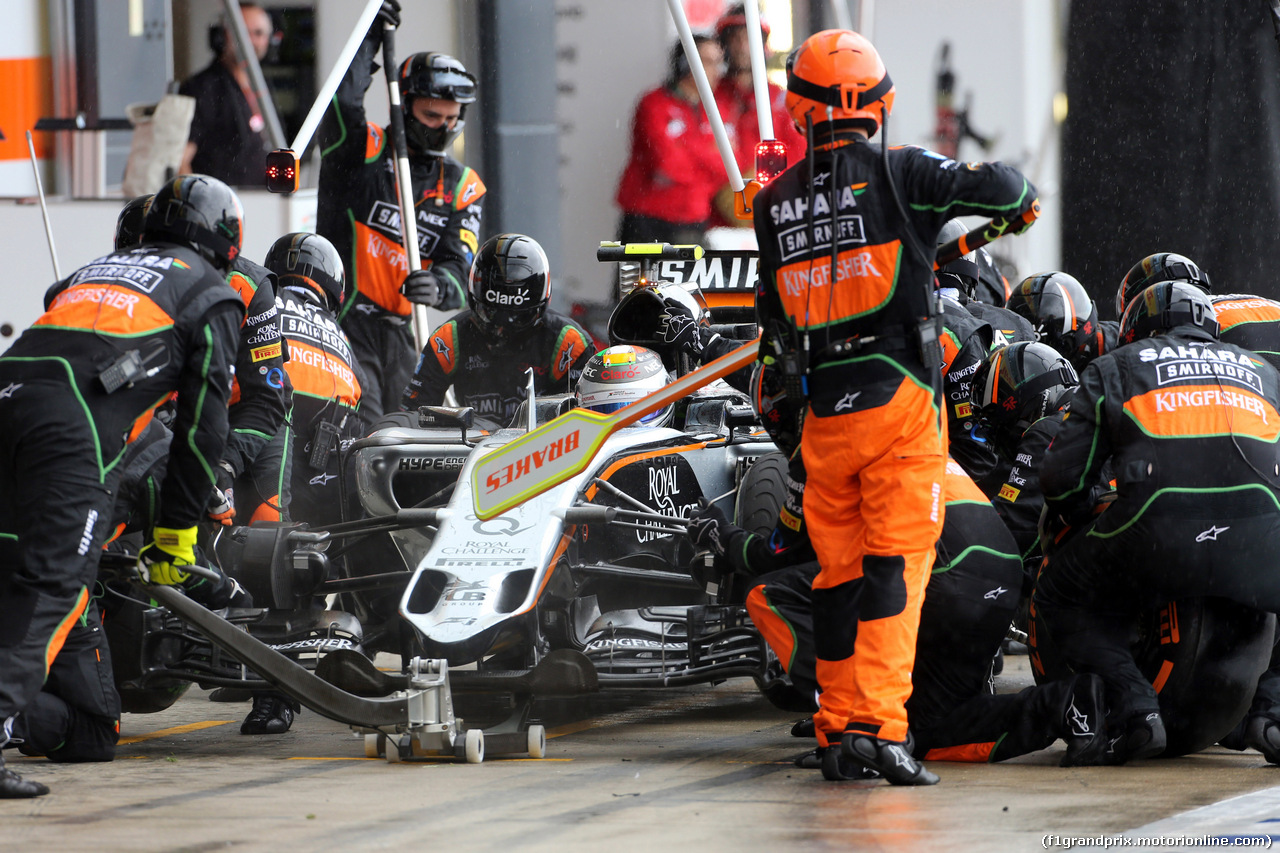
[
  {"x": 495, "y": 297},
  {"x": 532, "y": 461}
]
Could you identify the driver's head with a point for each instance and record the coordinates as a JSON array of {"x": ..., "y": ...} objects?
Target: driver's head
[{"x": 618, "y": 376}]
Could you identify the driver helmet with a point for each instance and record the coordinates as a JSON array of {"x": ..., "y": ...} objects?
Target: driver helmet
[
  {"x": 638, "y": 318},
  {"x": 618, "y": 376}
]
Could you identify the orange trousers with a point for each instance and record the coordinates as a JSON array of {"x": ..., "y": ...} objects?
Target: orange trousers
[{"x": 874, "y": 507}]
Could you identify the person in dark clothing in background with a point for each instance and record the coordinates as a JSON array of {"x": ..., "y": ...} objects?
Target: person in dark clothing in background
[{"x": 228, "y": 138}]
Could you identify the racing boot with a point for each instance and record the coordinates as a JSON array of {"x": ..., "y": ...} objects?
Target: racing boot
[
  {"x": 834, "y": 766},
  {"x": 1084, "y": 722},
  {"x": 1263, "y": 734},
  {"x": 803, "y": 728},
  {"x": 13, "y": 786},
  {"x": 1141, "y": 736},
  {"x": 272, "y": 714},
  {"x": 890, "y": 759}
]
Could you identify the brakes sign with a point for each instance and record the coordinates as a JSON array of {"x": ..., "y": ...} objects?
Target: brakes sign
[{"x": 517, "y": 471}]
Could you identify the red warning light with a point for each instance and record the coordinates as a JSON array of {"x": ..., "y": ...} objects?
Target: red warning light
[
  {"x": 771, "y": 160},
  {"x": 282, "y": 171}
]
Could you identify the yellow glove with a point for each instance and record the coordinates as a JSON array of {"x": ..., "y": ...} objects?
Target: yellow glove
[{"x": 168, "y": 549}]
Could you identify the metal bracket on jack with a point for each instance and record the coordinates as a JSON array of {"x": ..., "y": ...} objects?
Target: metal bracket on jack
[{"x": 431, "y": 728}]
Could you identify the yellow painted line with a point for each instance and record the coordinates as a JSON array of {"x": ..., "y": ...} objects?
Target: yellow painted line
[
  {"x": 176, "y": 730},
  {"x": 572, "y": 728}
]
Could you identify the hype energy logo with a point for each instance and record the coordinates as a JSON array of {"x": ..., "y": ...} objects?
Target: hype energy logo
[{"x": 535, "y": 462}]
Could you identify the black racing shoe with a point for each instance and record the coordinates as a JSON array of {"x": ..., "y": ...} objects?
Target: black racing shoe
[
  {"x": 1263, "y": 734},
  {"x": 835, "y": 767},
  {"x": 14, "y": 787},
  {"x": 1142, "y": 736},
  {"x": 272, "y": 714},
  {"x": 803, "y": 728},
  {"x": 1084, "y": 722},
  {"x": 890, "y": 759}
]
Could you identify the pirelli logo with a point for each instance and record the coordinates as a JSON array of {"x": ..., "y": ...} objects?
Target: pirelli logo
[
  {"x": 266, "y": 352},
  {"x": 963, "y": 410},
  {"x": 789, "y": 520},
  {"x": 1009, "y": 493}
]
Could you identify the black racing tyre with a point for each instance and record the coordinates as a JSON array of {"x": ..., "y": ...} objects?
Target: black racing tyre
[
  {"x": 140, "y": 692},
  {"x": 1203, "y": 655},
  {"x": 761, "y": 493}
]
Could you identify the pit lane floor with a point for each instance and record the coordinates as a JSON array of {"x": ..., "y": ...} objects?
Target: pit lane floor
[{"x": 705, "y": 768}]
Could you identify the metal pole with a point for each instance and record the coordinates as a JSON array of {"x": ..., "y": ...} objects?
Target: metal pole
[
  {"x": 755, "y": 40},
  {"x": 44, "y": 208},
  {"x": 708, "y": 99},
  {"x": 331, "y": 83},
  {"x": 259, "y": 83},
  {"x": 404, "y": 181}
]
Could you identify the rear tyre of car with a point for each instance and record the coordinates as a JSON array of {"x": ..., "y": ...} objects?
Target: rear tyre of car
[{"x": 1204, "y": 657}]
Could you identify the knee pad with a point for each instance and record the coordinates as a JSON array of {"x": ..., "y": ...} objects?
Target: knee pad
[{"x": 886, "y": 587}]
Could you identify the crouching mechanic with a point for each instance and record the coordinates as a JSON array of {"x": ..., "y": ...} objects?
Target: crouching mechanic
[
  {"x": 1189, "y": 425},
  {"x": 359, "y": 208},
  {"x": 864, "y": 349},
  {"x": 120, "y": 336},
  {"x": 1252, "y": 322},
  {"x": 970, "y": 599},
  {"x": 507, "y": 330}
]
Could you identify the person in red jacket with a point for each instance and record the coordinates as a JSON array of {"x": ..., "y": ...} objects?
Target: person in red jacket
[
  {"x": 737, "y": 97},
  {"x": 674, "y": 170}
]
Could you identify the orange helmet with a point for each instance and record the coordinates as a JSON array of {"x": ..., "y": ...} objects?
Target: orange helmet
[{"x": 840, "y": 70}]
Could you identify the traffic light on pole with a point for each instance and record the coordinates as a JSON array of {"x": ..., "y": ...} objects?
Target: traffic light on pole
[{"x": 282, "y": 171}]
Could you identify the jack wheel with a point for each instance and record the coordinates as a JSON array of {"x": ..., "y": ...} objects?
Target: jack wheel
[
  {"x": 374, "y": 745},
  {"x": 537, "y": 741},
  {"x": 474, "y": 746}
]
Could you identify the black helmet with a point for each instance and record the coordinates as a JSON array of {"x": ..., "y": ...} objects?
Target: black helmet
[
  {"x": 200, "y": 212},
  {"x": 639, "y": 320},
  {"x": 129, "y": 222},
  {"x": 782, "y": 417},
  {"x": 434, "y": 75},
  {"x": 962, "y": 273},
  {"x": 1061, "y": 310},
  {"x": 1017, "y": 385},
  {"x": 510, "y": 283},
  {"x": 1162, "y": 266},
  {"x": 308, "y": 260},
  {"x": 1164, "y": 305}
]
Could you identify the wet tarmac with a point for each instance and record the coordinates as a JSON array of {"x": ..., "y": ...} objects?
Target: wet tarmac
[{"x": 705, "y": 768}]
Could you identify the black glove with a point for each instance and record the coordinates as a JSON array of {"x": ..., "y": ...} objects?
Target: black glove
[
  {"x": 388, "y": 14},
  {"x": 677, "y": 326},
  {"x": 222, "y": 503},
  {"x": 709, "y": 528},
  {"x": 422, "y": 287}
]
